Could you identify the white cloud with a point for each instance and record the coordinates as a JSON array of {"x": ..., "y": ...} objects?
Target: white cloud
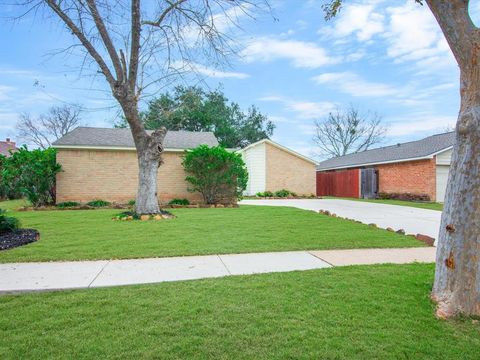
[
  {"x": 354, "y": 85},
  {"x": 360, "y": 19},
  {"x": 303, "y": 109},
  {"x": 207, "y": 71},
  {"x": 302, "y": 54},
  {"x": 414, "y": 35},
  {"x": 5, "y": 92},
  {"x": 420, "y": 123}
]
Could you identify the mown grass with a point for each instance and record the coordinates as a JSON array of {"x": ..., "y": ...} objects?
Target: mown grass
[
  {"x": 416, "y": 204},
  {"x": 370, "y": 312},
  {"x": 91, "y": 234}
]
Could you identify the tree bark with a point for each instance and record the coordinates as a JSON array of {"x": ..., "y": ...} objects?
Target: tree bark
[
  {"x": 456, "y": 287},
  {"x": 149, "y": 155},
  {"x": 457, "y": 276}
]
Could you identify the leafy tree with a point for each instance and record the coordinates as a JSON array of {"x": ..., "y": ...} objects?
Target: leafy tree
[
  {"x": 133, "y": 46},
  {"x": 456, "y": 287},
  {"x": 218, "y": 174},
  {"x": 346, "y": 131},
  {"x": 194, "y": 109},
  {"x": 32, "y": 174}
]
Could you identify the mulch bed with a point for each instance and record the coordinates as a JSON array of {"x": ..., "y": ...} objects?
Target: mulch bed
[{"x": 17, "y": 238}]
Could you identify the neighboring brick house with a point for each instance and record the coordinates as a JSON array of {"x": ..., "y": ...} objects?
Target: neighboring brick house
[
  {"x": 100, "y": 163},
  {"x": 273, "y": 167},
  {"x": 7, "y": 146},
  {"x": 418, "y": 167}
]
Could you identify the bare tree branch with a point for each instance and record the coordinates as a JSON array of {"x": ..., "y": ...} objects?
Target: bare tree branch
[
  {"x": 45, "y": 129},
  {"x": 347, "y": 131}
]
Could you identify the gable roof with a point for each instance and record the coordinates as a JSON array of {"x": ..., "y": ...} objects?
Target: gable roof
[
  {"x": 414, "y": 150},
  {"x": 281, "y": 147},
  {"x": 122, "y": 139}
]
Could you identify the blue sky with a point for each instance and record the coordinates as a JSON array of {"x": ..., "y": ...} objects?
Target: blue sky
[{"x": 383, "y": 56}]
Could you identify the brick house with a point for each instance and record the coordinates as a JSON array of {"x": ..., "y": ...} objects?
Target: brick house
[
  {"x": 100, "y": 163},
  {"x": 418, "y": 167},
  {"x": 7, "y": 146},
  {"x": 273, "y": 167}
]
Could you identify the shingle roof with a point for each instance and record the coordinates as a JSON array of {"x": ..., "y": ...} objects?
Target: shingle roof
[
  {"x": 122, "y": 138},
  {"x": 410, "y": 150}
]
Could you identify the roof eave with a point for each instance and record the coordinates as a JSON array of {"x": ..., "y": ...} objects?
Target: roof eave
[
  {"x": 111, "y": 148},
  {"x": 273, "y": 143}
]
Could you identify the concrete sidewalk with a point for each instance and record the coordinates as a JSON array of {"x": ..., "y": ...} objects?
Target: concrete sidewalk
[{"x": 90, "y": 274}]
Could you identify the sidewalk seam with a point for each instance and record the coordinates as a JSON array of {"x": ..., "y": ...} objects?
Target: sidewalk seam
[
  {"x": 96, "y": 276},
  {"x": 318, "y": 257},
  {"x": 224, "y": 265}
]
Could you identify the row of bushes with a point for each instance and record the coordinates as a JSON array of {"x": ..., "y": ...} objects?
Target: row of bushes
[
  {"x": 280, "y": 193},
  {"x": 102, "y": 203},
  {"x": 404, "y": 196}
]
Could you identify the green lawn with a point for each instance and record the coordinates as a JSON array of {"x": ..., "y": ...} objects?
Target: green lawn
[
  {"x": 91, "y": 234},
  {"x": 370, "y": 312},
  {"x": 416, "y": 204}
]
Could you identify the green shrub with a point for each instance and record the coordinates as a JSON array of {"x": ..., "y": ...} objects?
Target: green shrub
[
  {"x": 67, "y": 204},
  {"x": 283, "y": 193},
  {"x": 131, "y": 203},
  {"x": 179, "y": 202},
  {"x": 219, "y": 175},
  {"x": 265, "y": 194},
  {"x": 98, "y": 203},
  {"x": 31, "y": 174},
  {"x": 8, "y": 223}
]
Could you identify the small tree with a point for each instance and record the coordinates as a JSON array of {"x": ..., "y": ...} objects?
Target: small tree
[
  {"x": 347, "y": 131},
  {"x": 32, "y": 174},
  {"x": 47, "y": 128},
  {"x": 219, "y": 175}
]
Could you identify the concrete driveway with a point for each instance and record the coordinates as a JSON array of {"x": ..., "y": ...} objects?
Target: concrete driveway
[{"x": 412, "y": 220}]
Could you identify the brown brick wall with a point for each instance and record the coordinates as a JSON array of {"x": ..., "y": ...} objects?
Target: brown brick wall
[
  {"x": 112, "y": 175},
  {"x": 287, "y": 171},
  {"x": 416, "y": 177}
]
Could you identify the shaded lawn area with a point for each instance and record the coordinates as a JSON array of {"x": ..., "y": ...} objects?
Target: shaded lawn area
[
  {"x": 91, "y": 234},
  {"x": 363, "y": 312},
  {"x": 416, "y": 204}
]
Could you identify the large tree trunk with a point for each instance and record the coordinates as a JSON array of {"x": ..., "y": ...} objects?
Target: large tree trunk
[
  {"x": 149, "y": 154},
  {"x": 457, "y": 277}
]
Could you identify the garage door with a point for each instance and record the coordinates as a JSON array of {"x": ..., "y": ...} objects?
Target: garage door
[{"x": 442, "y": 178}]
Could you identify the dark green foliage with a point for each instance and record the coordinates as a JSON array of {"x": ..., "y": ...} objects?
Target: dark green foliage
[
  {"x": 194, "y": 109},
  {"x": 219, "y": 175},
  {"x": 98, "y": 203},
  {"x": 179, "y": 202},
  {"x": 127, "y": 214},
  {"x": 131, "y": 203},
  {"x": 8, "y": 223},
  {"x": 67, "y": 204},
  {"x": 31, "y": 174},
  {"x": 265, "y": 194},
  {"x": 284, "y": 193}
]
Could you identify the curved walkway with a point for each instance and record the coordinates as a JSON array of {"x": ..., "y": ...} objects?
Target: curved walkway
[
  {"x": 412, "y": 220},
  {"x": 22, "y": 277}
]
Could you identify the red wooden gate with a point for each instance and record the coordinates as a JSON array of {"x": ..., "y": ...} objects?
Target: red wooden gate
[{"x": 342, "y": 183}]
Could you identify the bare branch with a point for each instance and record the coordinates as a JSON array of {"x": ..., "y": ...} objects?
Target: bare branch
[
  {"x": 83, "y": 39},
  {"x": 346, "y": 131},
  {"x": 45, "y": 129},
  {"x": 102, "y": 30}
]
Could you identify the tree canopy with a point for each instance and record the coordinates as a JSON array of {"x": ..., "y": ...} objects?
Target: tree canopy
[{"x": 195, "y": 109}]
